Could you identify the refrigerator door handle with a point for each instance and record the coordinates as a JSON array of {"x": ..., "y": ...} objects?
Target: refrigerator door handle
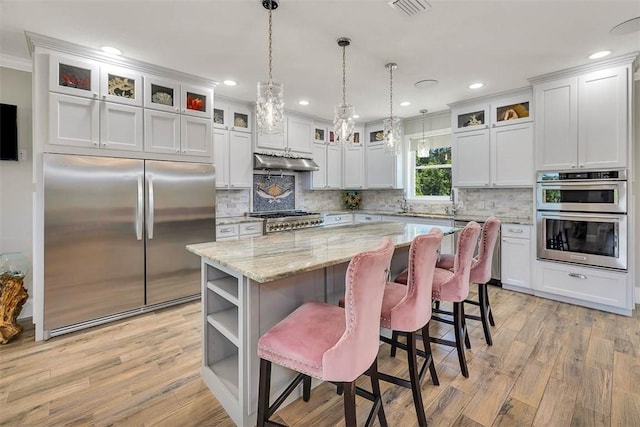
[
  {"x": 140, "y": 208},
  {"x": 150, "y": 219}
]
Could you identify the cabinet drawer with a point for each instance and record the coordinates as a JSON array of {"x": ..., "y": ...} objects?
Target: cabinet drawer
[
  {"x": 366, "y": 218},
  {"x": 338, "y": 219},
  {"x": 251, "y": 229},
  {"x": 516, "y": 230},
  {"x": 226, "y": 231},
  {"x": 588, "y": 284}
]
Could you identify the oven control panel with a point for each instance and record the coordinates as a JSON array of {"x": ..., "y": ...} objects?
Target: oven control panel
[{"x": 615, "y": 175}]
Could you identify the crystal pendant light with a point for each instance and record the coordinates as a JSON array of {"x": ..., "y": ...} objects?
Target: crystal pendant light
[
  {"x": 391, "y": 126},
  {"x": 343, "y": 124},
  {"x": 270, "y": 100},
  {"x": 423, "y": 147}
]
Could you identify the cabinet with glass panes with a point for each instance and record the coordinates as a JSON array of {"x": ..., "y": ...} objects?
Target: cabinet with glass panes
[{"x": 231, "y": 115}]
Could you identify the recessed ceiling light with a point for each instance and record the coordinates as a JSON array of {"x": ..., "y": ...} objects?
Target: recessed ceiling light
[
  {"x": 600, "y": 54},
  {"x": 405, "y": 103},
  {"x": 356, "y": 116},
  {"x": 303, "y": 102},
  {"x": 426, "y": 84},
  {"x": 111, "y": 50},
  {"x": 230, "y": 82},
  {"x": 476, "y": 85}
]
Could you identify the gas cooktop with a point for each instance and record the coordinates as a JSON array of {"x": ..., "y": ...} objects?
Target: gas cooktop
[{"x": 288, "y": 220}]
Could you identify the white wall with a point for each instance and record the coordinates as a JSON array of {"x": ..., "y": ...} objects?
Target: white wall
[
  {"x": 636, "y": 186},
  {"x": 15, "y": 177}
]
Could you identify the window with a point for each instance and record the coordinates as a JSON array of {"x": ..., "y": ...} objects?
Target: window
[{"x": 430, "y": 167}]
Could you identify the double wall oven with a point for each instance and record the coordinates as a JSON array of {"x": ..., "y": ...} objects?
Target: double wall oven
[{"x": 582, "y": 217}]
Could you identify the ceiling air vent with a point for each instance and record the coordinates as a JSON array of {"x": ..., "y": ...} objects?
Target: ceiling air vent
[{"x": 410, "y": 7}]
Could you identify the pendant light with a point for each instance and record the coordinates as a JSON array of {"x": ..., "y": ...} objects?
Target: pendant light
[
  {"x": 391, "y": 126},
  {"x": 423, "y": 147},
  {"x": 343, "y": 124},
  {"x": 270, "y": 100}
]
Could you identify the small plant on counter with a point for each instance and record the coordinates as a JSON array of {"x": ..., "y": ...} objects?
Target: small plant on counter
[{"x": 352, "y": 199}]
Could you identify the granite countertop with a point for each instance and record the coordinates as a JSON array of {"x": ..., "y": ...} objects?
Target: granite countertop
[
  {"x": 229, "y": 220},
  {"x": 458, "y": 217},
  {"x": 279, "y": 255}
]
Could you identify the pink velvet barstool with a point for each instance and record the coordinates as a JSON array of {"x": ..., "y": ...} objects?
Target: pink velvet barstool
[
  {"x": 332, "y": 343},
  {"x": 407, "y": 310},
  {"x": 453, "y": 286},
  {"x": 480, "y": 273}
]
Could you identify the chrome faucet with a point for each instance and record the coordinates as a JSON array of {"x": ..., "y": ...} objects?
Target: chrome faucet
[{"x": 405, "y": 205}]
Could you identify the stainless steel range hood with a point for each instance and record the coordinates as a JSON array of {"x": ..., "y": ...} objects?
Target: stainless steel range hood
[{"x": 266, "y": 161}]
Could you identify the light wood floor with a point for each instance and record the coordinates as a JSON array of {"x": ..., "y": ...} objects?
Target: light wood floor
[{"x": 552, "y": 364}]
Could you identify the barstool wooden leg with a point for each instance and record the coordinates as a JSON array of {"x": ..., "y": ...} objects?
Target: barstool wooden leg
[
  {"x": 486, "y": 298},
  {"x": 467, "y": 342},
  {"x": 426, "y": 342},
  {"x": 484, "y": 312},
  {"x": 375, "y": 387},
  {"x": 350, "y": 403},
  {"x": 264, "y": 386},
  {"x": 306, "y": 388},
  {"x": 460, "y": 331},
  {"x": 394, "y": 338},
  {"x": 412, "y": 360}
]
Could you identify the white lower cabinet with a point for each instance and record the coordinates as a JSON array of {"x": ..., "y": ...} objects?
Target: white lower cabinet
[
  {"x": 238, "y": 231},
  {"x": 584, "y": 285},
  {"x": 515, "y": 254}
]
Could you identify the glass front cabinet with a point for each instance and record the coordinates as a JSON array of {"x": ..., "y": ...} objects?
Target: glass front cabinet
[
  {"x": 121, "y": 86},
  {"x": 509, "y": 111},
  {"x": 470, "y": 118},
  {"x": 163, "y": 95},
  {"x": 197, "y": 101},
  {"x": 231, "y": 116},
  {"x": 72, "y": 76}
]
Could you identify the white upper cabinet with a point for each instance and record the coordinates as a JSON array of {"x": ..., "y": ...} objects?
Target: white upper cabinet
[
  {"x": 162, "y": 94},
  {"x": 232, "y": 116},
  {"x": 382, "y": 169},
  {"x": 471, "y": 159},
  {"x": 161, "y": 132},
  {"x": 603, "y": 119},
  {"x": 121, "y": 86},
  {"x": 74, "y": 76},
  {"x": 232, "y": 159},
  {"x": 299, "y": 135},
  {"x": 195, "y": 136},
  {"x": 493, "y": 141},
  {"x": 557, "y": 124},
  {"x": 353, "y": 161},
  {"x": 121, "y": 127},
  {"x": 197, "y": 101},
  {"x": 74, "y": 121},
  {"x": 582, "y": 117}
]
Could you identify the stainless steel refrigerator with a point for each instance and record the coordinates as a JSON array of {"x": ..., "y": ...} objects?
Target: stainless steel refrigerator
[{"x": 115, "y": 232}]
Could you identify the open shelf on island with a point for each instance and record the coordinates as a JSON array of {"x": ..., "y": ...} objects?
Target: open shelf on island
[
  {"x": 227, "y": 372},
  {"x": 226, "y": 287},
  {"x": 222, "y": 358},
  {"x": 226, "y": 322}
]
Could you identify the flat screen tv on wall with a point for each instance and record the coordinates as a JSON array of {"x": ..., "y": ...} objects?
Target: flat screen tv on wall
[{"x": 8, "y": 132}]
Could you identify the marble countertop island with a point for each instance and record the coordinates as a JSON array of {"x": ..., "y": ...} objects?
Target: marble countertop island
[{"x": 279, "y": 255}]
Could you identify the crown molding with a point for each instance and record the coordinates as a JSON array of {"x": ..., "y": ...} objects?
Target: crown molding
[
  {"x": 39, "y": 41},
  {"x": 16, "y": 63},
  {"x": 527, "y": 90},
  {"x": 628, "y": 59}
]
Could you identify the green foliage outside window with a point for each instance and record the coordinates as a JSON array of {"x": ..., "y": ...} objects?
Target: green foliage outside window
[{"x": 433, "y": 173}]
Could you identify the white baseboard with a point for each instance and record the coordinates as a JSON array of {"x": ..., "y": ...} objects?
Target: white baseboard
[{"x": 27, "y": 309}]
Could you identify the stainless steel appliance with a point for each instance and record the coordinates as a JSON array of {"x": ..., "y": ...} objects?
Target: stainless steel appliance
[
  {"x": 496, "y": 265},
  {"x": 596, "y": 191},
  {"x": 288, "y": 220},
  {"x": 115, "y": 236},
  {"x": 582, "y": 218}
]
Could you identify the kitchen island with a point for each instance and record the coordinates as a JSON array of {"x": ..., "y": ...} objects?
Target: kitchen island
[{"x": 249, "y": 285}]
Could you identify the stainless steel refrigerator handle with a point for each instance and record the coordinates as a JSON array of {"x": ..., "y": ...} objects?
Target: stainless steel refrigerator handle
[
  {"x": 139, "y": 209},
  {"x": 150, "y": 219}
]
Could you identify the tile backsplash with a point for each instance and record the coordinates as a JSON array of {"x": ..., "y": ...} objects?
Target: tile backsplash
[
  {"x": 232, "y": 202},
  {"x": 509, "y": 202}
]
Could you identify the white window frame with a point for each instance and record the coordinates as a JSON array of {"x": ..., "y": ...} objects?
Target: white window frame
[{"x": 410, "y": 193}]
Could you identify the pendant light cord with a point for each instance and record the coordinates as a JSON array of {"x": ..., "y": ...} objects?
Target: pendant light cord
[
  {"x": 270, "y": 40},
  {"x": 344, "y": 75},
  {"x": 391, "y": 93}
]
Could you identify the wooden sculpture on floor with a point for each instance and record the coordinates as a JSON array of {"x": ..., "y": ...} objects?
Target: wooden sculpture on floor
[{"x": 13, "y": 268}]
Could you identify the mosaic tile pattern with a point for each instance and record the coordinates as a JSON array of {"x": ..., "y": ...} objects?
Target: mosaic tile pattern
[{"x": 274, "y": 192}]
